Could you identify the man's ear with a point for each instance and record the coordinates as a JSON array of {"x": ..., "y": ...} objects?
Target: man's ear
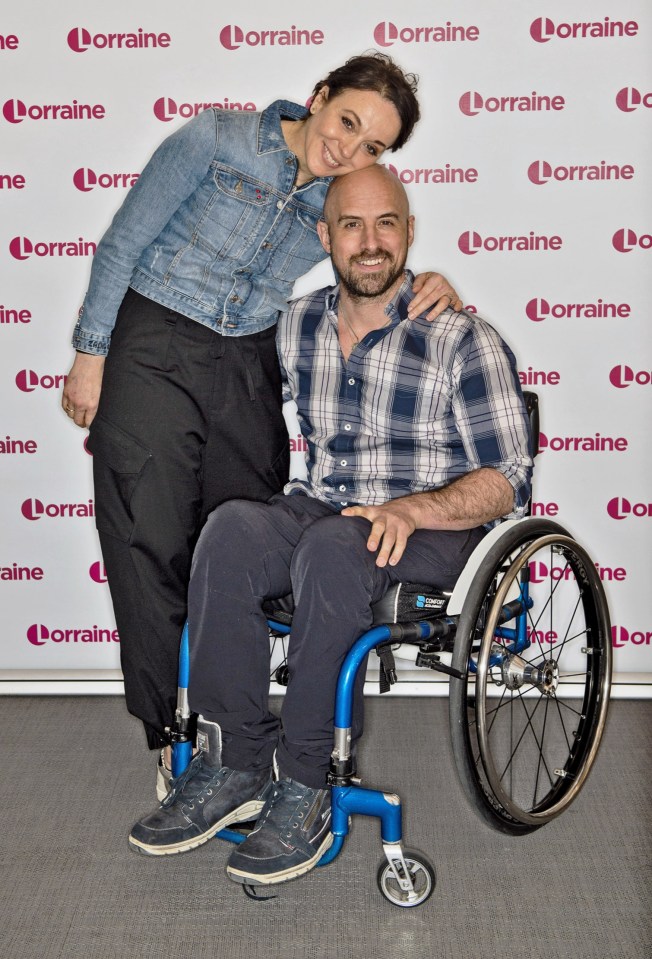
[
  {"x": 410, "y": 231},
  {"x": 324, "y": 235}
]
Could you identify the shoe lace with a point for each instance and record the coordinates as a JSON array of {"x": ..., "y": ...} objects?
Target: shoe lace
[
  {"x": 287, "y": 803},
  {"x": 196, "y": 779}
]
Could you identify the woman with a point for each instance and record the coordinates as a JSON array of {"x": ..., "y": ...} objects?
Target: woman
[{"x": 185, "y": 406}]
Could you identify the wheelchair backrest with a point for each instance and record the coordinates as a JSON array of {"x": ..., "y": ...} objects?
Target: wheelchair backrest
[{"x": 532, "y": 407}]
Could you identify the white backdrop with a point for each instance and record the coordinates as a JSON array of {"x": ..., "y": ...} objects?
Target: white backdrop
[{"x": 530, "y": 178}]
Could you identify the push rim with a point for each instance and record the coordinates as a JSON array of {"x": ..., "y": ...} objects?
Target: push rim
[{"x": 535, "y": 746}]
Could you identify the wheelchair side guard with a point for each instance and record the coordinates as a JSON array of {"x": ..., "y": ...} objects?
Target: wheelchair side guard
[{"x": 474, "y": 562}]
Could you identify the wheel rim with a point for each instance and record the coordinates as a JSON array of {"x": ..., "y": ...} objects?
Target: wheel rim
[
  {"x": 536, "y": 746},
  {"x": 421, "y": 880}
]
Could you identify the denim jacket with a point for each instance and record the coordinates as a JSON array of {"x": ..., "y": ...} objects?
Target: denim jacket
[{"x": 212, "y": 228}]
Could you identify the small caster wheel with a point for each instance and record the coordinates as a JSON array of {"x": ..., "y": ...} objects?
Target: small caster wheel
[
  {"x": 421, "y": 873},
  {"x": 283, "y": 674}
]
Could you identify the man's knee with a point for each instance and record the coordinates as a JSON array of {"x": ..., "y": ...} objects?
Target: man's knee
[
  {"x": 336, "y": 544},
  {"x": 336, "y": 534},
  {"x": 227, "y": 530}
]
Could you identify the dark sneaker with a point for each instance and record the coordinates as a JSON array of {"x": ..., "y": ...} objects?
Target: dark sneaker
[
  {"x": 207, "y": 797},
  {"x": 292, "y": 834}
]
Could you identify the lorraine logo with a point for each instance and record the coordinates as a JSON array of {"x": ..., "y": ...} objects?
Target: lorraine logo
[
  {"x": 97, "y": 573},
  {"x": 35, "y": 509},
  {"x": 446, "y": 174},
  {"x": 586, "y": 444},
  {"x": 233, "y": 37},
  {"x": 21, "y": 247},
  {"x": 620, "y": 508},
  {"x": 625, "y": 240},
  {"x": 629, "y": 99},
  {"x": 541, "y": 172},
  {"x": 472, "y": 103},
  {"x": 86, "y": 180},
  {"x": 621, "y": 636},
  {"x": 80, "y": 40},
  {"x": 15, "y": 111},
  {"x": 471, "y": 242},
  {"x": 39, "y": 635},
  {"x": 543, "y": 29},
  {"x": 27, "y": 381},
  {"x": 166, "y": 109},
  {"x": 623, "y": 376},
  {"x": 540, "y": 309},
  {"x": 386, "y": 33}
]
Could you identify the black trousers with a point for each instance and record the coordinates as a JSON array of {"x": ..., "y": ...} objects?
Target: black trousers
[
  {"x": 250, "y": 552},
  {"x": 187, "y": 419}
]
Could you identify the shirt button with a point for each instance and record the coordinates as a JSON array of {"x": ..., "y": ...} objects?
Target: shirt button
[
  {"x": 235, "y": 299},
  {"x": 347, "y": 426},
  {"x": 342, "y": 462},
  {"x": 351, "y": 381},
  {"x": 279, "y": 205},
  {"x": 289, "y": 160},
  {"x": 342, "y": 489}
]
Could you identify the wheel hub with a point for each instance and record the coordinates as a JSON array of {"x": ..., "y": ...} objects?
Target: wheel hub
[{"x": 514, "y": 672}]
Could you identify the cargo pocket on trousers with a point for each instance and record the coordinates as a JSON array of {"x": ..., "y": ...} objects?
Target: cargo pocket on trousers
[
  {"x": 278, "y": 473},
  {"x": 119, "y": 461}
]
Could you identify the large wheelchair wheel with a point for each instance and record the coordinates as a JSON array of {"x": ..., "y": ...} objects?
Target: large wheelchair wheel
[{"x": 526, "y": 724}]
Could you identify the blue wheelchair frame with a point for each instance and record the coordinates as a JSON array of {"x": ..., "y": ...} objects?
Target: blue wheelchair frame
[{"x": 348, "y": 797}]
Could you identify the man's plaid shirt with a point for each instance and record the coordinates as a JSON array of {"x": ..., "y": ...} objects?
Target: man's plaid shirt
[{"x": 416, "y": 405}]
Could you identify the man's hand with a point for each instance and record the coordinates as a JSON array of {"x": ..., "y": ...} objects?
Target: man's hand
[
  {"x": 81, "y": 394},
  {"x": 472, "y": 500},
  {"x": 432, "y": 289},
  {"x": 391, "y": 525}
]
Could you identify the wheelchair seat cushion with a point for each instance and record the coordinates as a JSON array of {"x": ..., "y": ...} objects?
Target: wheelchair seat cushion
[
  {"x": 409, "y": 603},
  {"x": 402, "y": 603}
]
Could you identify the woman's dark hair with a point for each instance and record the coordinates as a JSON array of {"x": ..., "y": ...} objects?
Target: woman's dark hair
[{"x": 378, "y": 72}]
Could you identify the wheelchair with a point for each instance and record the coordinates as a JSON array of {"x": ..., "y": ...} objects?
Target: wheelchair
[{"x": 525, "y": 638}]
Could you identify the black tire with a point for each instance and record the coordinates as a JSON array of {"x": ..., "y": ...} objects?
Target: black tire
[
  {"x": 423, "y": 878},
  {"x": 525, "y": 731}
]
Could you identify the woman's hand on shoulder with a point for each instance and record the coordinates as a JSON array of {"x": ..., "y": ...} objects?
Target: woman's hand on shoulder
[{"x": 432, "y": 290}]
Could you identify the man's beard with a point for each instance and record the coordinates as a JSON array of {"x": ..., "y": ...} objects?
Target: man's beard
[{"x": 370, "y": 285}]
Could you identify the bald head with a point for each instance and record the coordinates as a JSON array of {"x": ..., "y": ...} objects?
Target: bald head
[
  {"x": 355, "y": 189},
  {"x": 367, "y": 229}
]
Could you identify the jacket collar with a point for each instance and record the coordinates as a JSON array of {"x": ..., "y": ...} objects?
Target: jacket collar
[{"x": 270, "y": 133}]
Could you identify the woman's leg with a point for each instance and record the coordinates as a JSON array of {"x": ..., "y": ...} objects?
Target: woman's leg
[{"x": 166, "y": 381}]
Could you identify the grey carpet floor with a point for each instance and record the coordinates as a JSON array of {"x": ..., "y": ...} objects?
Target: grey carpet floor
[{"x": 76, "y": 774}]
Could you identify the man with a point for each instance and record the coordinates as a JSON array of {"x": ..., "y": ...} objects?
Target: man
[{"x": 417, "y": 442}]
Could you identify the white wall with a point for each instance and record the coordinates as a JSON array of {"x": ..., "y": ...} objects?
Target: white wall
[{"x": 552, "y": 134}]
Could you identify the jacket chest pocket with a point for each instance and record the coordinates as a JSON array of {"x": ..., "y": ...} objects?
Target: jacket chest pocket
[
  {"x": 240, "y": 214},
  {"x": 294, "y": 244}
]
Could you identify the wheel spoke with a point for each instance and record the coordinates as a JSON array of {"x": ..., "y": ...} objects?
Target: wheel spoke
[{"x": 525, "y": 764}]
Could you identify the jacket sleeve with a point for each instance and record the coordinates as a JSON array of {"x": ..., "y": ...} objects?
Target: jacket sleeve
[{"x": 173, "y": 173}]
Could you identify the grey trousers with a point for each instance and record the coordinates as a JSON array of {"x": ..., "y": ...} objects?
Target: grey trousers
[{"x": 249, "y": 552}]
